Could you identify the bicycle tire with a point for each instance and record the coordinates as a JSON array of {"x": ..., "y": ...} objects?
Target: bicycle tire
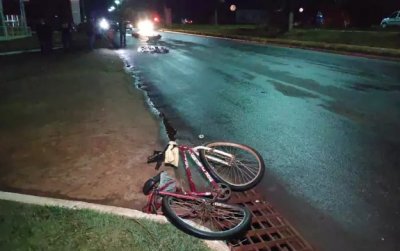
[
  {"x": 229, "y": 177},
  {"x": 218, "y": 213}
]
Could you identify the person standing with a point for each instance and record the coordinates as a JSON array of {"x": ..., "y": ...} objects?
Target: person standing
[
  {"x": 110, "y": 34},
  {"x": 66, "y": 35},
  {"x": 319, "y": 19},
  {"x": 49, "y": 37},
  {"x": 45, "y": 36},
  {"x": 91, "y": 33},
  {"x": 40, "y": 30},
  {"x": 122, "y": 34}
]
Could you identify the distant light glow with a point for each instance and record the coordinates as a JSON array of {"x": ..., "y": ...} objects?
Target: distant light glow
[
  {"x": 111, "y": 9},
  {"x": 117, "y": 2},
  {"x": 232, "y": 7},
  {"x": 104, "y": 24},
  {"x": 156, "y": 19},
  {"x": 301, "y": 10}
]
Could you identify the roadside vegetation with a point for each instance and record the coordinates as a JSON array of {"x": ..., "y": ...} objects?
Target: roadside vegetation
[
  {"x": 374, "y": 41},
  {"x": 381, "y": 39},
  {"x": 31, "y": 227}
]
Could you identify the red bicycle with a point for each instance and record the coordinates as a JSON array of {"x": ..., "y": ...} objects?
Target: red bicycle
[{"x": 202, "y": 214}]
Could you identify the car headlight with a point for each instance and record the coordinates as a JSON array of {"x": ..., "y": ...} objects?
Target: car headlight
[
  {"x": 104, "y": 24},
  {"x": 146, "y": 28}
]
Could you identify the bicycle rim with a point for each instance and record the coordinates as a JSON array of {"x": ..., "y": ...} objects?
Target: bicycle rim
[
  {"x": 245, "y": 169},
  {"x": 207, "y": 220}
]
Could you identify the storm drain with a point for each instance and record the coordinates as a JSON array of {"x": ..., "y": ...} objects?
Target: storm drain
[{"x": 269, "y": 230}]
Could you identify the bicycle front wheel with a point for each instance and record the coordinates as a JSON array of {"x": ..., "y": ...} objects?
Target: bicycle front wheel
[
  {"x": 205, "y": 219},
  {"x": 242, "y": 170}
]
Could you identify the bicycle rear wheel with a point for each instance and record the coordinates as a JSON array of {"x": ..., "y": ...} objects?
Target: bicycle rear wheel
[
  {"x": 205, "y": 219},
  {"x": 242, "y": 172}
]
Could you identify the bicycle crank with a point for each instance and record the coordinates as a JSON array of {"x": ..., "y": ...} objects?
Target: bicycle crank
[{"x": 224, "y": 193}]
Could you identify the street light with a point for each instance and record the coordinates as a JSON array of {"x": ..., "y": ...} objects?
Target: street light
[
  {"x": 112, "y": 8},
  {"x": 301, "y": 10},
  {"x": 232, "y": 7}
]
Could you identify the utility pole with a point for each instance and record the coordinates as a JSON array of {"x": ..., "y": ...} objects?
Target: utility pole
[
  {"x": 217, "y": 2},
  {"x": 23, "y": 16},
  {"x": 291, "y": 17},
  {"x": 291, "y": 14},
  {"x": 83, "y": 11},
  {"x": 167, "y": 14}
]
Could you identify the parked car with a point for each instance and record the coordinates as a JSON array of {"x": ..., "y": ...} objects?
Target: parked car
[
  {"x": 392, "y": 20},
  {"x": 186, "y": 21},
  {"x": 129, "y": 27}
]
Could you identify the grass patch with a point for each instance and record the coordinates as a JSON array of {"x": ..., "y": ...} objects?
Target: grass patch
[
  {"x": 30, "y": 227},
  {"x": 224, "y": 30},
  {"x": 378, "y": 38},
  {"x": 378, "y": 42},
  {"x": 212, "y": 28},
  {"x": 381, "y": 39}
]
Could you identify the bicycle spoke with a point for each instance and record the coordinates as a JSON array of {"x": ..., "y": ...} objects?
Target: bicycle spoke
[
  {"x": 247, "y": 171},
  {"x": 214, "y": 217},
  {"x": 244, "y": 165}
]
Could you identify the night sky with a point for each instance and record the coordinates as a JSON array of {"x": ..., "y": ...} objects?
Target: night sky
[{"x": 363, "y": 13}]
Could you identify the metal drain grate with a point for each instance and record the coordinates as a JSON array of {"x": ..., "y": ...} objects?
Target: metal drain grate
[{"x": 269, "y": 230}]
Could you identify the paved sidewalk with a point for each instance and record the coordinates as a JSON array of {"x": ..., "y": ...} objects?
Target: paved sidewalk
[{"x": 73, "y": 126}]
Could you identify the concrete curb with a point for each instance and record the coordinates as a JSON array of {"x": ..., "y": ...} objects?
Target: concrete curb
[
  {"x": 18, "y": 52},
  {"x": 7, "y": 53},
  {"x": 78, "y": 205}
]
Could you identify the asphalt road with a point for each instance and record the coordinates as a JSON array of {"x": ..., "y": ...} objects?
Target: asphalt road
[{"x": 327, "y": 126}]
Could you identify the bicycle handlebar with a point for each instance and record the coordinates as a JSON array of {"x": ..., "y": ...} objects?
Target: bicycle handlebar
[{"x": 157, "y": 156}]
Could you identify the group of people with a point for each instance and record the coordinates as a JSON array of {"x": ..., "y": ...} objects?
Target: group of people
[
  {"x": 44, "y": 31},
  {"x": 111, "y": 35}
]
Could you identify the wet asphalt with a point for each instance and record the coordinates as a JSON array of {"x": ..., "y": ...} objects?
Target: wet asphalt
[{"x": 327, "y": 126}]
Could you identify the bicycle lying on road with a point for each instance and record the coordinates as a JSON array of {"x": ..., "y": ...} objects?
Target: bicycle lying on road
[{"x": 226, "y": 166}]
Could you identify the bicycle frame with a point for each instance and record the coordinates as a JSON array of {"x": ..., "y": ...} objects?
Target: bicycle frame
[
  {"x": 193, "y": 152},
  {"x": 193, "y": 193},
  {"x": 216, "y": 151},
  {"x": 152, "y": 203}
]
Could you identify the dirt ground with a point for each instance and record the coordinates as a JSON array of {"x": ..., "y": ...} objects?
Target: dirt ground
[{"x": 73, "y": 126}]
